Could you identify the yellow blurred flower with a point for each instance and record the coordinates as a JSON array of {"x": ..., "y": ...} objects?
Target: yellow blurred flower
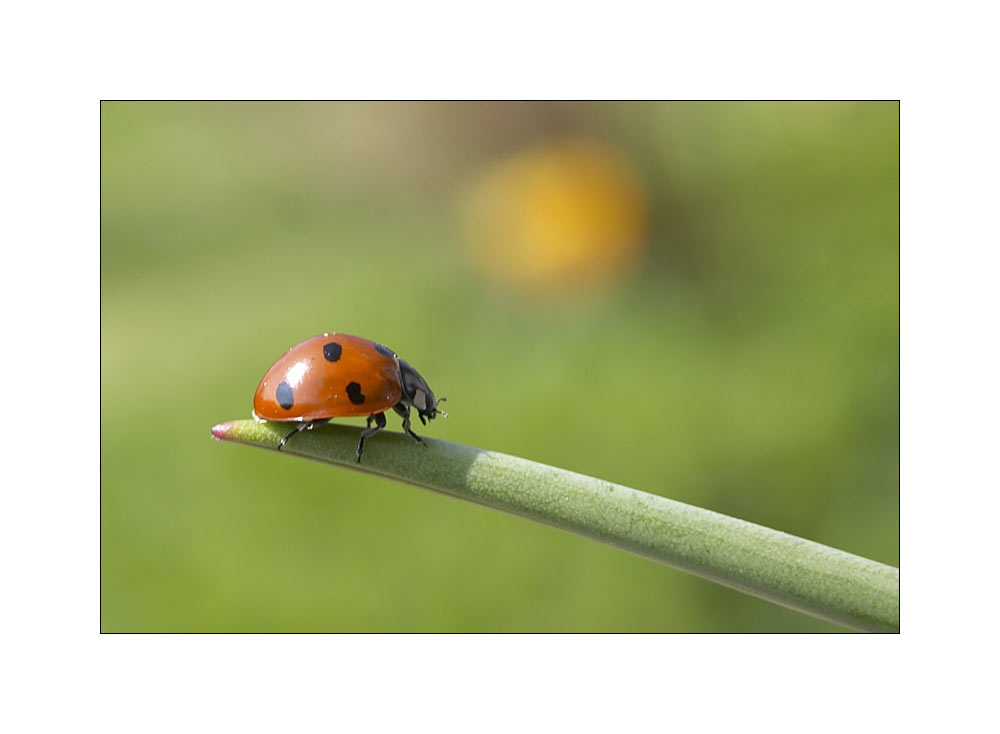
[{"x": 565, "y": 215}]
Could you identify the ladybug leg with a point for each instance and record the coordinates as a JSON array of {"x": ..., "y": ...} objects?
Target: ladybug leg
[
  {"x": 405, "y": 412},
  {"x": 303, "y": 426},
  {"x": 379, "y": 419}
]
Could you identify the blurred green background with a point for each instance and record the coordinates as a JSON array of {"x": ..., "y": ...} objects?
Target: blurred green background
[{"x": 695, "y": 299}]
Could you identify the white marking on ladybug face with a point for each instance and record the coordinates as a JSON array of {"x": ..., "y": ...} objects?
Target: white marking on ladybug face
[
  {"x": 420, "y": 400},
  {"x": 294, "y": 375}
]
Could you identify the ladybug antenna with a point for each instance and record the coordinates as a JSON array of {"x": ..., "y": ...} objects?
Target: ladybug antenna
[{"x": 436, "y": 403}]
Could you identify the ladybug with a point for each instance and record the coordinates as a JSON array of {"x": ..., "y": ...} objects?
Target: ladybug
[{"x": 339, "y": 375}]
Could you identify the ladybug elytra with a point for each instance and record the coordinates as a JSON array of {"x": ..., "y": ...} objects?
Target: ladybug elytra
[{"x": 339, "y": 375}]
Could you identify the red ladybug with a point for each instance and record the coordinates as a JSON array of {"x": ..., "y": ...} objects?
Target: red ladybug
[{"x": 337, "y": 375}]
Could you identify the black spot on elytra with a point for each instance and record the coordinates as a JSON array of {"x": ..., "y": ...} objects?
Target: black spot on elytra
[
  {"x": 284, "y": 395},
  {"x": 354, "y": 393},
  {"x": 382, "y": 349},
  {"x": 332, "y": 351}
]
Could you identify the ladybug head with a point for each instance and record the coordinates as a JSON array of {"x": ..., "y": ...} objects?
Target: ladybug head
[{"x": 418, "y": 394}]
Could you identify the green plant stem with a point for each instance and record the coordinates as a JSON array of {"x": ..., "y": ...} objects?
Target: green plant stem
[{"x": 797, "y": 573}]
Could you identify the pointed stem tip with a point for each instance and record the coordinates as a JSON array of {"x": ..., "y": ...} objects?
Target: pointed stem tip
[{"x": 220, "y": 432}]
